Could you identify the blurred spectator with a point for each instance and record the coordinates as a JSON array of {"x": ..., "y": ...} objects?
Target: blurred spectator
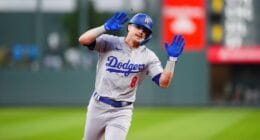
[
  {"x": 228, "y": 90},
  {"x": 251, "y": 96},
  {"x": 238, "y": 94},
  {"x": 76, "y": 58},
  {"x": 17, "y": 53},
  {"x": 32, "y": 55},
  {"x": 4, "y": 56},
  {"x": 25, "y": 56},
  {"x": 53, "y": 57},
  {"x": 17, "y": 56},
  {"x": 53, "y": 62},
  {"x": 73, "y": 57}
]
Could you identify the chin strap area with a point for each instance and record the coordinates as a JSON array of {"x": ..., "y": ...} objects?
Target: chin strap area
[{"x": 146, "y": 40}]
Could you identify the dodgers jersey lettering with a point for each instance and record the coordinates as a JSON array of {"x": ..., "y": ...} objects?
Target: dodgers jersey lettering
[
  {"x": 113, "y": 65},
  {"x": 120, "y": 69}
]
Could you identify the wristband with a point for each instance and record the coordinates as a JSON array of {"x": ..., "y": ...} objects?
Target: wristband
[
  {"x": 99, "y": 30},
  {"x": 170, "y": 65},
  {"x": 171, "y": 58}
]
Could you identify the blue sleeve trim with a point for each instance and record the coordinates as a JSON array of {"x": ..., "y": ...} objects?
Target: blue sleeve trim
[{"x": 156, "y": 79}]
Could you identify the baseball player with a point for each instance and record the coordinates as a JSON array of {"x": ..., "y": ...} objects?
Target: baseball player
[{"x": 122, "y": 65}]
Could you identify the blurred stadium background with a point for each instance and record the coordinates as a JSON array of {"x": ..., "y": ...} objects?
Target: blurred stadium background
[{"x": 42, "y": 66}]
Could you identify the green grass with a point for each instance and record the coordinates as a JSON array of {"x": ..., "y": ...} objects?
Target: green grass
[{"x": 35, "y": 123}]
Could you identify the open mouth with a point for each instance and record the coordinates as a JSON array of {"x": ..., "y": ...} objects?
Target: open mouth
[{"x": 139, "y": 36}]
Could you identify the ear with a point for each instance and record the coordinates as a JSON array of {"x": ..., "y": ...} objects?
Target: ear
[{"x": 128, "y": 27}]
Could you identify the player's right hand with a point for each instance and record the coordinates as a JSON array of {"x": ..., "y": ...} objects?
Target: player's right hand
[
  {"x": 116, "y": 22},
  {"x": 175, "y": 49}
]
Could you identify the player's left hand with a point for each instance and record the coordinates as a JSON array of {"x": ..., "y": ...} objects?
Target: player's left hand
[
  {"x": 116, "y": 22},
  {"x": 175, "y": 49}
]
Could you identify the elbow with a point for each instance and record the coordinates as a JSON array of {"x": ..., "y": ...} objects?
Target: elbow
[
  {"x": 80, "y": 40},
  {"x": 86, "y": 39},
  {"x": 165, "y": 84},
  {"x": 83, "y": 41},
  {"x": 165, "y": 79}
]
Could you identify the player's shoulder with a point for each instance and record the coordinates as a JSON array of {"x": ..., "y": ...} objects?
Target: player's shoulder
[
  {"x": 111, "y": 42},
  {"x": 109, "y": 37},
  {"x": 148, "y": 51}
]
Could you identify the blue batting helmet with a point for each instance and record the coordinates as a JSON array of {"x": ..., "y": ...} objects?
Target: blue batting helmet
[{"x": 143, "y": 20}]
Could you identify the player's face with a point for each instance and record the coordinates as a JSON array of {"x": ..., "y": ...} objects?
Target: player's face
[{"x": 137, "y": 33}]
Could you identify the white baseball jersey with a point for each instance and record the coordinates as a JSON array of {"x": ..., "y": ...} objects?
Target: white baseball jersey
[{"x": 120, "y": 69}]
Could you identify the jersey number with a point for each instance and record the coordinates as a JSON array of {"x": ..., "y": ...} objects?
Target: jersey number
[{"x": 133, "y": 81}]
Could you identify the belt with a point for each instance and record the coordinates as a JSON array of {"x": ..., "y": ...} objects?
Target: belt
[{"x": 111, "y": 101}]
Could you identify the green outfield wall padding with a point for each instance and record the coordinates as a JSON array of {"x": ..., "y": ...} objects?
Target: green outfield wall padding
[{"x": 74, "y": 87}]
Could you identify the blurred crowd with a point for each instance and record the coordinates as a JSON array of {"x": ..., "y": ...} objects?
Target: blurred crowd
[
  {"x": 55, "y": 57},
  {"x": 241, "y": 93}
]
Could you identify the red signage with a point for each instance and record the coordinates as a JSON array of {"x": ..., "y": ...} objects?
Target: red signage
[
  {"x": 242, "y": 55},
  {"x": 186, "y": 17}
]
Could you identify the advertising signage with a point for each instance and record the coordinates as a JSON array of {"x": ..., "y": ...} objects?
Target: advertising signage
[{"x": 186, "y": 17}]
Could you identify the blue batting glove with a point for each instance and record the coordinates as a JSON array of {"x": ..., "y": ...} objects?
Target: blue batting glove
[
  {"x": 175, "y": 49},
  {"x": 116, "y": 22}
]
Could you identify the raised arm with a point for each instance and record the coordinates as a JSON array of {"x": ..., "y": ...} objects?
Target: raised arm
[
  {"x": 173, "y": 50},
  {"x": 114, "y": 23}
]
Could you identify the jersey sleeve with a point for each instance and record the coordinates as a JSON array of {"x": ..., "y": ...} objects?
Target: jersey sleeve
[
  {"x": 154, "y": 65},
  {"x": 104, "y": 43}
]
